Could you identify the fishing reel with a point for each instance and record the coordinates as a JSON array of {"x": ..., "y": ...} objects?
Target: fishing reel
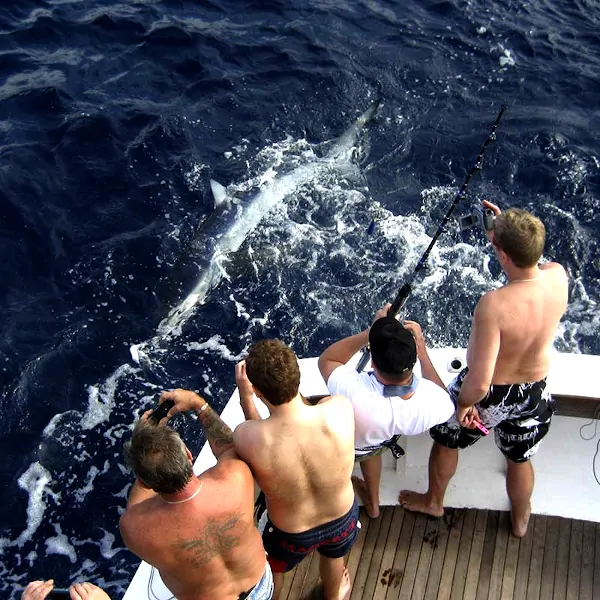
[{"x": 478, "y": 217}]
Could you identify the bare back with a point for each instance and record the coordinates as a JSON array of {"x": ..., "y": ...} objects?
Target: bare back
[
  {"x": 208, "y": 547},
  {"x": 302, "y": 458},
  {"x": 519, "y": 321}
]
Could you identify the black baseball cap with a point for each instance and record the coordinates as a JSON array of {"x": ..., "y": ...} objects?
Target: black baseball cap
[{"x": 393, "y": 347}]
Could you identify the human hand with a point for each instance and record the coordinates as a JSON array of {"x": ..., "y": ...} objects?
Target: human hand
[
  {"x": 382, "y": 312},
  {"x": 243, "y": 383},
  {"x": 467, "y": 416},
  {"x": 37, "y": 590},
  {"x": 184, "y": 400},
  {"x": 417, "y": 333},
  {"x": 87, "y": 591},
  {"x": 493, "y": 207}
]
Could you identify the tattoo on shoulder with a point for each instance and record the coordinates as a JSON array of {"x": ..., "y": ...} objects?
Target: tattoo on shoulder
[{"x": 216, "y": 539}]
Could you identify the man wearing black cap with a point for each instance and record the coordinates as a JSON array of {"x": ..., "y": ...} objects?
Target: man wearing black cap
[{"x": 388, "y": 401}]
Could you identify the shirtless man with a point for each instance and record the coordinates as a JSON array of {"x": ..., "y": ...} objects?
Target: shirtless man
[
  {"x": 198, "y": 531},
  {"x": 508, "y": 357},
  {"x": 388, "y": 401},
  {"x": 302, "y": 458}
]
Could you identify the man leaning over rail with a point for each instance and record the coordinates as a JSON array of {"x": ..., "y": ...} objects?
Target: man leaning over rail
[
  {"x": 508, "y": 357},
  {"x": 388, "y": 401},
  {"x": 198, "y": 531}
]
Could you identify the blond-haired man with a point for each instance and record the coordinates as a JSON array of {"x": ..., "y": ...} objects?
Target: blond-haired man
[{"x": 508, "y": 357}]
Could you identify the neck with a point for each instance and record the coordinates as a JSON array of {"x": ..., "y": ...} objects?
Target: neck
[
  {"x": 515, "y": 274},
  {"x": 189, "y": 492},
  {"x": 294, "y": 405},
  {"x": 398, "y": 381}
]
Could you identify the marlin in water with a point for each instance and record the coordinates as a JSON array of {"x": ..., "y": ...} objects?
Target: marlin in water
[{"x": 232, "y": 219}]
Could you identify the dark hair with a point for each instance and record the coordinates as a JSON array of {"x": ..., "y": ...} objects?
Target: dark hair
[
  {"x": 393, "y": 348},
  {"x": 521, "y": 235},
  {"x": 272, "y": 368},
  {"x": 158, "y": 457}
]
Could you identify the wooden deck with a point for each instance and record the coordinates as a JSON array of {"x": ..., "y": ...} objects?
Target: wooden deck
[{"x": 468, "y": 554}]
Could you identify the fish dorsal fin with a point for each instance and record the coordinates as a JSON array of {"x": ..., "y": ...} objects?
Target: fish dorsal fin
[{"x": 219, "y": 193}]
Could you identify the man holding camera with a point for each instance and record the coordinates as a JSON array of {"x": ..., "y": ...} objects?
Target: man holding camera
[
  {"x": 508, "y": 357},
  {"x": 198, "y": 531}
]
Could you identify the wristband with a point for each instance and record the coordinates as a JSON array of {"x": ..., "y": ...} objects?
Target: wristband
[{"x": 203, "y": 407}]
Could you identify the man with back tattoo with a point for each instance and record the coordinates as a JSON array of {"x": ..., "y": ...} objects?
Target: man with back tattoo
[{"x": 197, "y": 530}]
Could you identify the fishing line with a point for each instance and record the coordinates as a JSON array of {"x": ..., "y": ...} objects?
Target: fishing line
[
  {"x": 593, "y": 421},
  {"x": 405, "y": 290}
]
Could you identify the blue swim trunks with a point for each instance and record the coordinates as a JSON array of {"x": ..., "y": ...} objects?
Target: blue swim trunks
[{"x": 333, "y": 540}]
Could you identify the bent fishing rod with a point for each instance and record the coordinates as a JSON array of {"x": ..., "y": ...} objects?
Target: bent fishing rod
[{"x": 405, "y": 290}]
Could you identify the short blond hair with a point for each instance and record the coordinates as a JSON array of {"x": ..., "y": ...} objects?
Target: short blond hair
[{"x": 521, "y": 235}]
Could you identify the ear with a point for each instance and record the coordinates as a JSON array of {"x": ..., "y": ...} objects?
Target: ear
[{"x": 189, "y": 455}]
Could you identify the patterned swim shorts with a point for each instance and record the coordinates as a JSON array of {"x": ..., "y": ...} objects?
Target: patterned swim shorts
[{"x": 520, "y": 414}]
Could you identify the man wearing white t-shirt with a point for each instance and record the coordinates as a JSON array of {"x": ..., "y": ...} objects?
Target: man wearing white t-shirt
[{"x": 388, "y": 401}]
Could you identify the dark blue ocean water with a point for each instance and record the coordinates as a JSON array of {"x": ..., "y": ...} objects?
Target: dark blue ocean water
[{"x": 115, "y": 116}]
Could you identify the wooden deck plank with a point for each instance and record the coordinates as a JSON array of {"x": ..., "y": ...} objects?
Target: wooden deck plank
[
  {"x": 487, "y": 555},
  {"x": 312, "y": 578},
  {"x": 549, "y": 562},
  {"x": 362, "y": 570},
  {"x": 380, "y": 543},
  {"x": 472, "y": 579},
  {"x": 522, "y": 576},
  {"x": 464, "y": 554},
  {"x": 574, "y": 570},
  {"x": 425, "y": 559},
  {"x": 454, "y": 521},
  {"x": 386, "y": 576},
  {"x": 354, "y": 556},
  {"x": 596, "y": 589},
  {"x": 538, "y": 522},
  {"x": 412, "y": 562},
  {"x": 440, "y": 543},
  {"x": 495, "y": 590},
  {"x": 510, "y": 567},
  {"x": 586, "y": 585},
  {"x": 296, "y": 579},
  {"x": 562, "y": 560},
  {"x": 398, "y": 567}
]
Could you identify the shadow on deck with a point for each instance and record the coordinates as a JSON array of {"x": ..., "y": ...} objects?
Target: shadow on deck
[{"x": 468, "y": 554}]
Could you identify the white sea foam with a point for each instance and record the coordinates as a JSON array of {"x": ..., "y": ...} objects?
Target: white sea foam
[{"x": 34, "y": 482}]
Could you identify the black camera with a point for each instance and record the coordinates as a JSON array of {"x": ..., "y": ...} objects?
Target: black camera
[{"x": 478, "y": 217}]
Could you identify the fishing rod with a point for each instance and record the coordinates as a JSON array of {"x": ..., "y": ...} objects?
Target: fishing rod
[{"x": 405, "y": 290}]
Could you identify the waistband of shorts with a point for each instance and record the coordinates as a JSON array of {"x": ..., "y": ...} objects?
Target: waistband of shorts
[{"x": 324, "y": 526}]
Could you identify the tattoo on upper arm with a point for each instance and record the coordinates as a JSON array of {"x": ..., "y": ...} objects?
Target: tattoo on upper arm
[
  {"x": 217, "y": 432},
  {"x": 217, "y": 539}
]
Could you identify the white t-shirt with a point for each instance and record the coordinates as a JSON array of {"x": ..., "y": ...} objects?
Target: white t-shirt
[{"x": 377, "y": 418}]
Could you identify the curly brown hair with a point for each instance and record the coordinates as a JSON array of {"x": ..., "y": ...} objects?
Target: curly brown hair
[
  {"x": 272, "y": 368},
  {"x": 158, "y": 457},
  {"x": 521, "y": 235}
]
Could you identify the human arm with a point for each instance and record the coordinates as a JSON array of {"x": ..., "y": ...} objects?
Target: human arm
[
  {"x": 246, "y": 392},
  {"x": 496, "y": 210},
  {"x": 340, "y": 352},
  {"x": 427, "y": 369},
  {"x": 218, "y": 433},
  {"x": 482, "y": 353}
]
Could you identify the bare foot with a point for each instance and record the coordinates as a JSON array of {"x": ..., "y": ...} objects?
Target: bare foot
[
  {"x": 345, "y": 586},
  {"x": 519, "y": 529},
  {"x": 360, "y": 487},
  {"x": 416, "y": 502}
]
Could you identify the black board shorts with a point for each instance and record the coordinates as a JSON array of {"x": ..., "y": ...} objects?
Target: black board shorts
[{"x": 520, "y": 414}]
